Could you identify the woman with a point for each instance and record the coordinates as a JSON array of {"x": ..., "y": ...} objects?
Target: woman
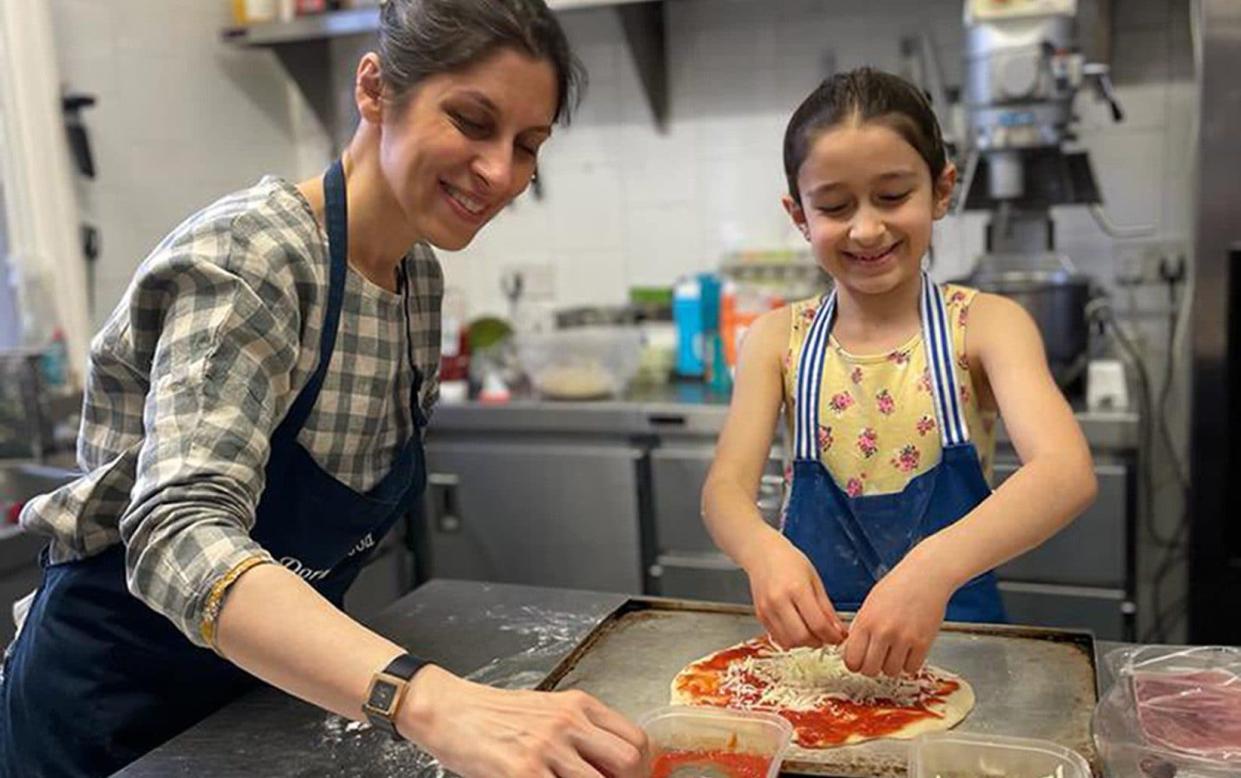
[{"x": 252, "y": 427}]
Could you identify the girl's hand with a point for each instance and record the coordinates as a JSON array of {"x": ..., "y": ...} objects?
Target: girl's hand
[
  {"x": 475, "y": 730},
  {"x": 899, "y": 620},
  {"x": 789, "y": 597}
]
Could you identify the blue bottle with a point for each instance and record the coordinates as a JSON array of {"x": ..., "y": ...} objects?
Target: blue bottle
[{"x": 687, "y": 314}]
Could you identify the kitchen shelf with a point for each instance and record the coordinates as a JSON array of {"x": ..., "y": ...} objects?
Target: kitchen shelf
[{"x": 299, "y": 42}]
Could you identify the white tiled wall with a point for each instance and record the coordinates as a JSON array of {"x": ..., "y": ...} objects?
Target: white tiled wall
[
  {"x": 654, "y": 206},
  {"x": 181, "y": 119}
]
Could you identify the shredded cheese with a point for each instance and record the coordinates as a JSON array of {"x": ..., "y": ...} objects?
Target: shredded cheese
[{"x": 806, "y": 679}]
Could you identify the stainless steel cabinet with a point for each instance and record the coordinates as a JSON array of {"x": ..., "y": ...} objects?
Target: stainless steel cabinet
[
  {"x": 1082, "y": 576},
  {"x": 19, "y": 575},
  {"x": 1101, "y": 611},
  {"x": 688, "y": 565},
  {"x": 1088, "y": 552},
  {"x": 554, "y": 512},
  {"x": 19, "y": 566}
]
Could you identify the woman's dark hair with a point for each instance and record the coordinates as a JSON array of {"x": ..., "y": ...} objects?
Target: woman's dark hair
[
  {"x": 420, "y": 38},
  {"x": 863, "y": 95}
]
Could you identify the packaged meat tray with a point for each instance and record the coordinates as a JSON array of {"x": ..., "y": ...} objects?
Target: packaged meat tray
[{"x": 1172, "y": 711}]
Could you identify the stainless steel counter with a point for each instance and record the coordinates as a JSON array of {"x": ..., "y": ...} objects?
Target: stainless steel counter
[
  {"x": 503, "y": 635},
  {"x": 683, "y": 408}
]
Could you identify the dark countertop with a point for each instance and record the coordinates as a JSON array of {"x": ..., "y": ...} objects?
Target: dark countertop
[{"x": 501, "y": 634}]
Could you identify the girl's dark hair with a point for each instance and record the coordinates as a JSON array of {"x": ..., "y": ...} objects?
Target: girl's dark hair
[
  {"x": 863, "y": 95},
  {"x": 420, "y": 38}
]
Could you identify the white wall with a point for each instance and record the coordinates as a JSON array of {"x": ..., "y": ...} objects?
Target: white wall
[
  {"x": 627, "y": 206},
  {"x": 182, "y": 118}
]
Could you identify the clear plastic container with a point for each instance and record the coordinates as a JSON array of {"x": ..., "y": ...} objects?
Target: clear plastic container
[
  {"x": 1172, "y": 710},
  {"x": 580, "y": 363},
  {"x": 961, "y": 755},
  {"x": 692, "y": 728}
]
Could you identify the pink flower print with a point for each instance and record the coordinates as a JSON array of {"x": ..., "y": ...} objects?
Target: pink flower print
[
  {"x": 907, "y": 458},
  {"x": 825, "y": 438},
  {"x": 963, "y": 362},
  {"x": 925, "y": 425},
  {"x": 965, "y": 394},
  {"x": 868, "y": 442},
  {"x": 841, "y": 402},
  {"x": 900, "y": 357},
  {"x": 808, "y": 313},
  {"x": 956, "y": 298},
  {"x": 856, "y": 375},
  {"x": 963, "y": 316},
  {"x": 885, "y": 402},
  {"x": 788, "y": 474},
  {"x": 854, "y": 487},
  {"x": 924, "y": 383}
]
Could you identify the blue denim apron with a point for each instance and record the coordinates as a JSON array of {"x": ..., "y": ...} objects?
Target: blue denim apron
[
  {"x": 855, "y": 541},
  {"x": 96, "y": 678}
]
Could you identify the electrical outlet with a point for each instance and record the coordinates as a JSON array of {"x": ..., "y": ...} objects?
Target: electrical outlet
[
  {"x": 1129, "y": 264},
  {"x": 1138, "y": 263}
]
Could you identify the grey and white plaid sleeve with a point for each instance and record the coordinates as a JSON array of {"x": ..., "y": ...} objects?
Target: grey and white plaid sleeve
[{"x": 228, "y": 340}]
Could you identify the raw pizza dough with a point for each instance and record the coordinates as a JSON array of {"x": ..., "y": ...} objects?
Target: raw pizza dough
[{"x": 827, "y": 704}]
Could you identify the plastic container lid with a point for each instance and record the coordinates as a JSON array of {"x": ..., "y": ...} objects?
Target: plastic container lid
[
  {"x": 957, "y": 755},
  {"x": 693, "y": 728}
]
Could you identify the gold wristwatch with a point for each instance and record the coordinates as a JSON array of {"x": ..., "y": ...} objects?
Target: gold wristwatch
[{"x": 387, "y": 691}]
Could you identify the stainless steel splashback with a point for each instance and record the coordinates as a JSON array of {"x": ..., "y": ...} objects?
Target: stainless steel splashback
[{"x": 1215, "y": 536}]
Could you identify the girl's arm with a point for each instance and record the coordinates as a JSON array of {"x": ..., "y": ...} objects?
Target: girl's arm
[
  {"x": 788, "y": 593},
  {"x": 896, "y": 625}
]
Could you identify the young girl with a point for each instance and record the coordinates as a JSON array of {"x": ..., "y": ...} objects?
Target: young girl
[{"x": 892, "y": 385}]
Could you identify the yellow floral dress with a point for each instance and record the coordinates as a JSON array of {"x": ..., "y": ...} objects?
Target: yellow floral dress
[{"x": 877, "y": 425}]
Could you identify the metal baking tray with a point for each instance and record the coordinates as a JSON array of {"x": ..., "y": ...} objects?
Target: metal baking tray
[{"x": 1029, "y": 682}]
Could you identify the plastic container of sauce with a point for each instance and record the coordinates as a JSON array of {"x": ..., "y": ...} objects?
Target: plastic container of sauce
[{"x": 706, "y": 742}]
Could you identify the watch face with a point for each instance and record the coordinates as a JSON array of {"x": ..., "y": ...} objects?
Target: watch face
[{"x": 382, "y": 695}]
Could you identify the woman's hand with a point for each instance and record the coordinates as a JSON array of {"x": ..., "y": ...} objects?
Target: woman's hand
[
  {"x": 789, "y": 597},
  {"x": 899, "y": 620},
  {"x": 479, "y": 732}
]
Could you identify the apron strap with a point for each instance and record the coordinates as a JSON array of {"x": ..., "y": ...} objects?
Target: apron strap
[
  {"x": 937, "y": 343},
  {"x": 415, "y": 386},
  {"x": 940, "y": 357},
  {"x": 810, "y": 379},
  {"x": 336, "y": 215}
]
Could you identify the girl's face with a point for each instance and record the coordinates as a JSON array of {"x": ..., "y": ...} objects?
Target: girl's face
[
  {"x": 466, "y": 143},
  {"x": 867, "y": 204}
]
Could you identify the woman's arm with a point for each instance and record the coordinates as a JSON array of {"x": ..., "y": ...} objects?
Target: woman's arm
[
  {"x": 277, "y": 627},
  {"x": 788, "y": 593},
  {"x": 223, "y": 339},
  {"x": 896, "y": 625}
]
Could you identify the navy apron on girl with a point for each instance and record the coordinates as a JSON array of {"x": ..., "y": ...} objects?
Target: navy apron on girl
[
  {"x": 96, "y": 678},
  {"x": 854, "y": 541}
]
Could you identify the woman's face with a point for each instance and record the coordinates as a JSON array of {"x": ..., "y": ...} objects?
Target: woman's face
[
  {"x": 867, "y": 205},
  {"x": 466, "y": 143}
]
